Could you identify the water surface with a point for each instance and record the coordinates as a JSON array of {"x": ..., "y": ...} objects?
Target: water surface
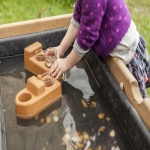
[{"x": 79, "y": 120}]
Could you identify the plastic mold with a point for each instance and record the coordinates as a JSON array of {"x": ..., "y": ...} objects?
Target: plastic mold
[
  {"x": 34, "y": 59},
  {"x": 40, "y": 93},
  {"x": 130, "y": 87}
]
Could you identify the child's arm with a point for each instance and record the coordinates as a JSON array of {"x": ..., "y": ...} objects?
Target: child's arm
[{"x": 67, "y": 40}]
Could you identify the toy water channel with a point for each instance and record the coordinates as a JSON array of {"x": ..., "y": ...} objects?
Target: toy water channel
[{"x": 93, "y": 107}]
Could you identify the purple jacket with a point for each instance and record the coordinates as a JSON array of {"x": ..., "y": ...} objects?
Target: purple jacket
[{"x": 103, "y": 24}]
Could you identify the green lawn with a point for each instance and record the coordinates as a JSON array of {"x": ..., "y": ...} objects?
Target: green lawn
[
  {"x": 20, "y": 10},
  {"x": 140, "y": 10}
]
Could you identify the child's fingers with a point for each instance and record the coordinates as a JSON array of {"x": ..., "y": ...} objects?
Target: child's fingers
[
  {"x": 53, "y": 67},
  {"x": 58, "y": 75},
  {"x": 54, "y": 74}
]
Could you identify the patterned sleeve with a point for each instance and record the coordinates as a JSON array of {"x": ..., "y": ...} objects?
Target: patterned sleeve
[
  {"x": 89, "y": 15},
  {"x": 77, "y": 11}
]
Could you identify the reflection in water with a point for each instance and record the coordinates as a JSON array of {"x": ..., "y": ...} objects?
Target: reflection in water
[
  {"x": 79, "y": 80},
  {"x": 80, "y": 120},
  {"x": 14, "y": 73},
  {"x": 89, "y": 130}
]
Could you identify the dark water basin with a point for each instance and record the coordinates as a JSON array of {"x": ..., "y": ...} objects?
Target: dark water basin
[
  {"x": 90, "y": 82},
  {"x": 76, "y": 112}
]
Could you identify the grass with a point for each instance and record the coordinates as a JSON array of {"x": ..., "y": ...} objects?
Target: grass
[
  {"x": 17, "y": 10},
  {"x": 139, "y": 10}
]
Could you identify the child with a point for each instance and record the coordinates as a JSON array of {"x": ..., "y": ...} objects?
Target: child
[{"x": 105, "y": 27}]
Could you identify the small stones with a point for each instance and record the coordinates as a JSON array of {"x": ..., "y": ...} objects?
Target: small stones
[
  {"x": 79, "y": 145},
  {"x": 102, "y": 129},
  {"x": 55, "y": 118},
  {"x": 68, "y": 129},
  {"x": 84, "y": 103},
  {"x": 121, "y": 85},
  {"x": 86, "y": 136},
  {"x": 112, "y": 133},
  {"x": 113, "y": 148},
  {"x": 99, "y": 148},
  {"x": 84, "y": 115},
  {"x": 93, "y": 104},
  {"x": 48, "y": 119},
  {"x": 107, "y": 118},
  {"x": 75, "y": 139},
  {"x": 66, "y": 138},
  {"x": 81, "y": 138},
  {"x": 55, "y": 113},
  {"x": 42, "y": 120},
  {"x": 101, "y": 115}
]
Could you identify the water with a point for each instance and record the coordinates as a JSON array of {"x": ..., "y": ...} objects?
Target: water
[{"x": 80, "y": 120}]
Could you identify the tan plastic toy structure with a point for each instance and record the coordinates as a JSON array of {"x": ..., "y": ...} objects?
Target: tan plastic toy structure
[
  {"x": 130, "y": 88},
  {"x": 36, "y": 97},
  {"x": 31, "y": 63}
]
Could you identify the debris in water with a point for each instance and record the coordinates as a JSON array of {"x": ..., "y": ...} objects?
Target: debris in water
[
  {"x": 76, "y": 139},
  {"x": 112, "y": 133},
  {"x": 66, "y": 138},
  {"x": 93, "y": 104},
  {"x": 86, "y": 136},
  {"x": 99, "y": 148},
  {"x": 101, "y": 115},
  {"x": 113, "y": 148},
  {"x": 42, "y": 120},
  {"x": 79, "y": 145},
  {"x": 55, "y": 118},
  {"x": 107, "y": 118},
  {"x": 84, "y": 115},
  {"x": 84, "y": 103},
  {"x": 67, "y": 129},
  {"x": 48, "y": 119},
  {"x": 102, "y": 129},
  {"x": 55, "y": 113}
]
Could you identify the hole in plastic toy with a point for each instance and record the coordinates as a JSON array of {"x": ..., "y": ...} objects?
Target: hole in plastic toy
[
  {"x": 39, "y": 55},
  {"x": 24, "y": 97},
  {"x": 47, "y": 79}
]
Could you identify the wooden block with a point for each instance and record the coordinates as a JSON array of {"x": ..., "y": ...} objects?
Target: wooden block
[{"x": 36, "y": 97}]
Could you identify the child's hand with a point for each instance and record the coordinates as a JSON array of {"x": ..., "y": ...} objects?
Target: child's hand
[
  {"x": 58, "y": 67},
  {"x": 60, "y": 52}
]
